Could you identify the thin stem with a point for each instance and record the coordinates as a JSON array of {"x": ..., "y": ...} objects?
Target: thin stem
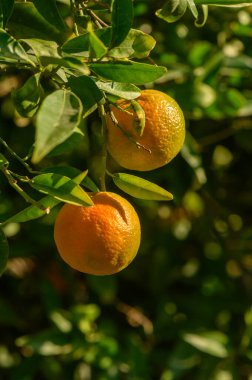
[
  {"x": 76, "y": 32},
  {"x": 103, "y": 148},
  {"x": 97, "y": 18},
  {"x": 13, "y": 183},
  {"x": 17, "y": 157}
]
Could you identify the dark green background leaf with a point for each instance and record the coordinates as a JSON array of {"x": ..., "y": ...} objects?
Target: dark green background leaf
[
  {"x": 6, "y": 7},
  {"x": 48, "y": 9},
  {"x": 122, "y": 18}
]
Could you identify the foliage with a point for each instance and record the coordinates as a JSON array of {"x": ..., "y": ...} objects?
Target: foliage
[{"x": 183, "y": 310}]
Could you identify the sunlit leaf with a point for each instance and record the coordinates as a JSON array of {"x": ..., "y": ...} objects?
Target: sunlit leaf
[
  {"x": 11, "y": 50},
  {"x": 137, "y": 44},
  {"x": 62, "y": 188},
  {"x": 97, "y": 48},
  {"x": 42, "y": 47},
  {"x": 212, "y": 343},
  {"x": 172, "y": 10},
  {"x": 122, "y": 18},
  {"x": 57, "y": 118},
  {"x": 4, "y": 251},
  {"x": 128, "y": 72},
  {"x": 202, "y": 15},
  {"x": 44, "y": 205},
  {"x": 140, "y": 188},
  {"x": 122, "y": 90}
]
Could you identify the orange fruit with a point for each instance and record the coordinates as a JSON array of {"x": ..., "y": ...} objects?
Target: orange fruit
[
  {"x": 162, "y": 138},
  {"x": 101, "y": 239}
]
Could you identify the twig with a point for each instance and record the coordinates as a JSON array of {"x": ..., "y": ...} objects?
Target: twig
[{"x": 17, "y": 157}]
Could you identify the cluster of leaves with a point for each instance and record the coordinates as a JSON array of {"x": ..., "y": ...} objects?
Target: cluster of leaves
[
  {"x": 69, "y": 78},
  {"x": 183, "y": 311},
  {"x": 173, "y": 10}
]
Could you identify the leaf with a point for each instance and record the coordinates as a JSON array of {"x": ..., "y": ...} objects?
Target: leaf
[
  {"x": 27, "y": 22},
  {"x": 122, "y": 18},
  {"x": 172, "y": 10},
  {"x": 48, "y": 9},
  {"x": 137, "y": 44},
  {"x": 80, "y": 45},
  {"x": 42, "y": 47},
  {"x": 97, "y": 48},
  {"x": 73, "y": 173},
  {"x": 140, "y": 188},
  {"x": 27, "y": 98},
  {"x": 87, "y": 91},
  {"x": 212, "y": 343},
  {"x": 192, "y": 6},
  {"x": 62, "y": 188},
  {"x": 57, "y": 118},
  {"x": 70, "y": 62},
  {"x": 11, "y": 50},
  {"x": 122, "y": 90},
  {"x": 128, "y": 72},
  {"x": 202, "y": 15},
  {"x": 4, "y": 251},
  {"x": 44, "y": 205},
  {"x": 6, "y": 8}
]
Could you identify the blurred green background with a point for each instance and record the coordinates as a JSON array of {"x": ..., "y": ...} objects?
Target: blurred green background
[{"x": 182, "y": 309}]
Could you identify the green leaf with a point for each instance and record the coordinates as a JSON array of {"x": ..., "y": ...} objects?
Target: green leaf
[
  {"x": 4, "y": 251},
  {"x": 44, "y": 205},
  {"x": 87, "y": 91},
  {"x": 80, "y": 45},
  {"x": 27, "y": 22},
  {"x": 74, "y": 174},
  {"x": 97, "y": 48},
  {"x": 27, "y": 98},
  {"x": 122, "y": 18},
  {"x": 137, "y": 44},
  {"x": 122, "y": 90},
  {"x": 128, "y": 72},
  {"x": 42, "y": 47},
  {"x": 6, "y": 8},
  {"x": 202, "y": 15},
  {"x": 62, "y": 188},
  {"x": 140, "y": 188},
  {"x": 192, "y": 6},
  {"x": 212, "y": 343},
  {"x": 11, "y": 50},
  {"x": 72, "y": 63},
  {"x": 57, "y": 118},
  {"x": 48, "y": 9},
  {"x": 172, "y": 10}
]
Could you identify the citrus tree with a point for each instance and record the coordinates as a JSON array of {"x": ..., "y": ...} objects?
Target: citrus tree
[{"x": 81, "y": 77}]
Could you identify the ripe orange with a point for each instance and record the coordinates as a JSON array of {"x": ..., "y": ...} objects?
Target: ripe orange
[
  {"x": 162, "y": 138},
  {"x": 101, "y": 239}
]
